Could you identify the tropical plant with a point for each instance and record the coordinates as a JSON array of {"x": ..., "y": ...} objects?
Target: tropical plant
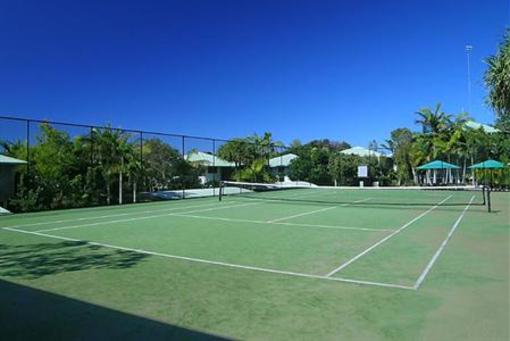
[
  {"x": 400, "y": 144},
  {"x": 433, "y": 121},
  {"x": 257, "y": 171},
  {"x": 239, "y": 151},
  {"x": 110, "y": 146},
  {"x": 497, "y": 81}
]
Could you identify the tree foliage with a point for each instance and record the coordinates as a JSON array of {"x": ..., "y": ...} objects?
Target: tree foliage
[
  {"x": 497, "y": 80},
  {"x": 94, "y": 169}
]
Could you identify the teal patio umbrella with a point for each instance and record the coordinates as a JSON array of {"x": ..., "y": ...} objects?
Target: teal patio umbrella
[
  {"x": 488, "y": 164},
  {"x": 491, "y": 165},
  {"x": 438, "y": 164}
]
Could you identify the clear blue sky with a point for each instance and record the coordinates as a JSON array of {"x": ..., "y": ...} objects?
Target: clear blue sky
[{"x": 351, "y": 70}]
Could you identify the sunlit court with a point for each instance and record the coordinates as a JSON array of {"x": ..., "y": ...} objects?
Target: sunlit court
[{"x": 376, "y": 237}]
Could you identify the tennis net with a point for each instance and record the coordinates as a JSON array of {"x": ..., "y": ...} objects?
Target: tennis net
[{"x": 359, "y": 196}]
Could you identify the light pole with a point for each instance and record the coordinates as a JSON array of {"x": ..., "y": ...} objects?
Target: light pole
[{"x": 469, "y": 48}]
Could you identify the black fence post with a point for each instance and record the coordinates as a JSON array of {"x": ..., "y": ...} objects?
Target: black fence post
[
  {"x": 142, "y": 172},
  {"x": 182, "y": 177},
  {"x": 28, "y": 147},
  {"x": 91, "y": 146},
  {"x": 215, "y": 176}
]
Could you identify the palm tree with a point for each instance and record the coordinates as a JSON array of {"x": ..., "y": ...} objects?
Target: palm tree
[
  {"x": 110, "y": 148},
  {"x": 134, "y": 168},
  {"x": 124, "y": 151},
  {"x": 255, "y": 172},
  {"x": 433, "y": 122},
  {"x": 436, "y": 129},
  {"x": 497, "y": 80},
  {"x": 265, "y": 146}
]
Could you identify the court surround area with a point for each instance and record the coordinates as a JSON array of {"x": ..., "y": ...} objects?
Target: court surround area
[{"x": 331, "y": 244}]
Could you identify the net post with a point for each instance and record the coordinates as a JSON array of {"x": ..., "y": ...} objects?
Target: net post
[
  {"x": 220, "y": 194},
  {"x": 489, "y": 200},
  {"x": 484, "y": 193}
]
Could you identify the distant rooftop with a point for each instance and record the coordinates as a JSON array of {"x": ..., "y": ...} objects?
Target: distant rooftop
[
  {"x": 487, "y": 128},
  {"x": 10, "y": 160},
  {"x": 361, "y": 151},
  {"x": 282, "y": 160},
  {"x": 207, "y": 159}
]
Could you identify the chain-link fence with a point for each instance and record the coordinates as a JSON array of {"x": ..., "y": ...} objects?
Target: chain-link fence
[{"x": 51, "y": 165}]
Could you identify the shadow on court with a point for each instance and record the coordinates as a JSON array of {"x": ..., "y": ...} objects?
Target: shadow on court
[
  {"x": 31, "y": 314},
  {"x": 37, "y": 260}
]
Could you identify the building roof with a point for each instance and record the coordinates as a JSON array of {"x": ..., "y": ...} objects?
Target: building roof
[
  {"x": 282, "y": 160},
  {"x": 361, "y": 151},
  {"x": 207, "y": 159},
  {"x": 487, "y": 128},
  {"x": 7, "y": 160}
]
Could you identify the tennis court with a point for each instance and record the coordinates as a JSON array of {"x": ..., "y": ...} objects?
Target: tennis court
[
  {"x": 388, "y": 240},
  {"x": 351, "y": 236}
]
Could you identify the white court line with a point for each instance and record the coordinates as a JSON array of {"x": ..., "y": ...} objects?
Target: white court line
[
  {"x": 139, "y": 218},
  {"x": 224, "y": 264},
  {"x": 443, "y": 245},
  {"x": 337, "y": 227},
  {"x": 111, "y": 215},
  {"x": 403, "y": 227},
  {"x": 316, "y": 211},
  {"x": 301, "y": 214},
  {"x": 280, "y": 223}
]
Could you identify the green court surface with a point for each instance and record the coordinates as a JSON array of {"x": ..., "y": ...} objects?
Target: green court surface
[{"x": 321, "y": 264}]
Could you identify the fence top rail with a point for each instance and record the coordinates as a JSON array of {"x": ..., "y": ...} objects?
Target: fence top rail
[{"x": 90, "y": 126}]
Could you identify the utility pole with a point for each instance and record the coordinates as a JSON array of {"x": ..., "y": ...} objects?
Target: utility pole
[{"x": 469, "y": 48}]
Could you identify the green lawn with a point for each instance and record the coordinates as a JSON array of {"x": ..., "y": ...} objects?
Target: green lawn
[{"x": 260, "y": 269}]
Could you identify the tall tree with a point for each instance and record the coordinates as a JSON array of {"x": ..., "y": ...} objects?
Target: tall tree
[
  {"x": 161, "y": 164},
  {"x": 239, "y": 151},
  {"x": 497, "y": 80},
  {"x": 400, "y": 145},
  {"x": 110, "y": 148},
  {"x": 264, "y": 146},
  {"x": 433, "y": 121}
]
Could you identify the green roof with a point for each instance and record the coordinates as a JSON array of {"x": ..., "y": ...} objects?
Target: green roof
[
  {"x": 487, "y": 128},
  {"x": 282, "y": 160},
  {"x": 207, "y": 159},
  {"x": 438, "y": 164},
  {"x": 10, "y": 160},
  {"x": 488, "y": 164}
]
